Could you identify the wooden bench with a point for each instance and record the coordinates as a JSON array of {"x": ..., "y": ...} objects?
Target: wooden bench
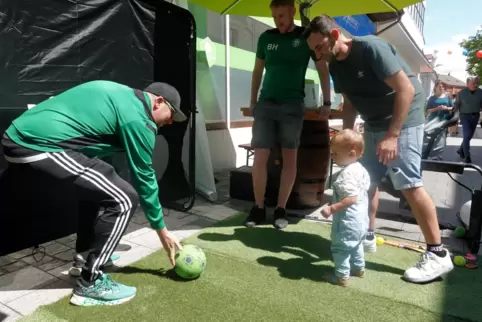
[{"x": 250, "y": 153}]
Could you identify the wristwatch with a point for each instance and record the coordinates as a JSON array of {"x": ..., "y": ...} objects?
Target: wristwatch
[{"x": 327, "y": 103}]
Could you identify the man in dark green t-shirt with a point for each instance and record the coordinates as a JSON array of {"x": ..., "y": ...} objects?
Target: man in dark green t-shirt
[
  {"x": 469, "y": 103},
  {"x": 379, "y": 85},
  {"x": 279, "y": 111},
  {"x": 60, "y": 142}
]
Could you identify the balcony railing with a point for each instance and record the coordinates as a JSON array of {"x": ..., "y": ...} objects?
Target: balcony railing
[{"x": 417, "y": 12}]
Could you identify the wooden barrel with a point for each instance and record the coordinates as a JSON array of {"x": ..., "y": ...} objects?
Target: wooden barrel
[{"x": 313, "y": 165}]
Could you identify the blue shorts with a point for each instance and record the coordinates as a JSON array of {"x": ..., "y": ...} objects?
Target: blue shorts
[
  {"x": 405, "y": 170},
  {"x": 277, "y": 123}
]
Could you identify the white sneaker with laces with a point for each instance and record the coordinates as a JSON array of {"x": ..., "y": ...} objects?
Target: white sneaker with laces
[
  {"x": 370, "y": 246},
  {"x": 429, "y": 268}
]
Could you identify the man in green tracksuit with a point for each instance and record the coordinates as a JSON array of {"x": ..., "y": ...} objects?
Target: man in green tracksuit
[{"x": 60, "y": 142}]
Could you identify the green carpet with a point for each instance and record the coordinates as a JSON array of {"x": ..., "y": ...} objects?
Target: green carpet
[{"x": 263, "y": 274}]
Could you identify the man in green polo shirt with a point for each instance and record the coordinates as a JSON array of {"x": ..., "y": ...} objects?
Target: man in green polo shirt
[
  {"x": 378, "y": 84},
  {"x": 60, "y": 143},
  {"x": 279, "y": 111},
  {"x": 469, "y": 103}
]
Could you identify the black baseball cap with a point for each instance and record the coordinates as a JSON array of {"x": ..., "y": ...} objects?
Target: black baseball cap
[{"x": 172, "y": 97}]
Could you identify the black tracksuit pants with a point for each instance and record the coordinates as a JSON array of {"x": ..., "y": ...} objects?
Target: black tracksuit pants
[{"x": 91, "y": 181}]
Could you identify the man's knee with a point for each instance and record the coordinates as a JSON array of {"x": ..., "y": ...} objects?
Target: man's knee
[
  {"x": 412, "y": 192},
  {"x": 131, "y": 195},
  {"x": 264, "y": 136},
  {"x": 289, "y": 158},
  {"x": 261, "y": 157},
  {"x": 290, "y": 133}
]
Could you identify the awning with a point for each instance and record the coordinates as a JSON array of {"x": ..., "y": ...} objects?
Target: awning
[{"x": 261, "y": 8}]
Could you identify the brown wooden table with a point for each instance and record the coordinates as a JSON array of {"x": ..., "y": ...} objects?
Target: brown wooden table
[{"x": 311, "y": 114}]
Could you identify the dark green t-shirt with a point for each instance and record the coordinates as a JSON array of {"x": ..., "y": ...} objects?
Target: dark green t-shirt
[
  {"x": 286, "y": 57},
  {"x": 361, "y": 77},
  {"x": 469, "y": 102}
]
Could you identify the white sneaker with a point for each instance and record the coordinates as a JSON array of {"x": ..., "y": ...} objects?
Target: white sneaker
[
  {"x": 370, "y": 246},
  {"x": 429, "y": 268}
]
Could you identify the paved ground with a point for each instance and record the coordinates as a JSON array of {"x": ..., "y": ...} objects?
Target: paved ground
[{"x": 28, "y": 281}]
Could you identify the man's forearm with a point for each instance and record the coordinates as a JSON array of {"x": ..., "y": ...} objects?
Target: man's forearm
[
  {"x": 255, "y": 84},
  {"x": 403, "y": 101},
  {"x": 324, "y": 76},
  {"x": 325, "y": 88},
  {"x": 349, "y": 116}
]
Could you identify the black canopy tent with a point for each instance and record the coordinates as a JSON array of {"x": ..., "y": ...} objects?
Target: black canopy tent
[{"x": 49, "y": 46}]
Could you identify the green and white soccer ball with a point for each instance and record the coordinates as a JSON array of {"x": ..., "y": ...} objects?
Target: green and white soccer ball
[{"x": 190, "y": 262}]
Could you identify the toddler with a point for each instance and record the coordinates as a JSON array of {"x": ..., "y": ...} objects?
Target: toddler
[{"x": 349, "y": 207}]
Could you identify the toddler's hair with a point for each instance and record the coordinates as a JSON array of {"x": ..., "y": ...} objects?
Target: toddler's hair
[{"x": 350, "y": 139}]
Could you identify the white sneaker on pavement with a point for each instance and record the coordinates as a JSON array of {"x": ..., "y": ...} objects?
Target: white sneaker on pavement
[{"x": 429, "y": 268}]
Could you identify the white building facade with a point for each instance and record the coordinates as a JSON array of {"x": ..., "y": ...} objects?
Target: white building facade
[
  {"x": 226, "y": 56},
  {"x": 408, "y": 36}
]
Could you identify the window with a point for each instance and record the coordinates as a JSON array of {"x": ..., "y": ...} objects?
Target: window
[
  {"x": 245, "y": 32},
  {"x": 417, "y": 12}
]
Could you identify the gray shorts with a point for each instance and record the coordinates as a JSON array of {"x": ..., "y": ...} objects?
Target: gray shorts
[
  {"x": 277, "y": 123},
  {"x": 405, "y": 171}
]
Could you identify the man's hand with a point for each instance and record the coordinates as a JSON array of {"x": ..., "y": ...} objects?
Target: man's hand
[
  {"x": 170, "y": 244},
  {"x": 326, "y": 211},
  {"x": 442, "y": 108},
  {"x": 324, "y": 112},
  {"x": 387, "y": 149}
]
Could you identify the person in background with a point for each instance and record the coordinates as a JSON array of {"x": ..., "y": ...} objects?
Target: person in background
[
  {"x": 279, "y": 111},
  {"x": 454, "y": 130},
  {"x": 469, "y": 104},
  {"x": 439, "y": 104}
]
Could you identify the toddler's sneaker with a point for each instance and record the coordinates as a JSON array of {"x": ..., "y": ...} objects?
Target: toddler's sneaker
[
  {"x": 104, "y": 291},
  {"x": 429, "y": 268},
  {"x": 360, "y": 273},
  {"x": 76, "y": 269},
  {"x": 335, "y": 280},
  {"x": 370, "y": 243}
]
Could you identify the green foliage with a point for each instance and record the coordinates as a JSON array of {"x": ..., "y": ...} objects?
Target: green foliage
[{"x": 472, "y": 45}]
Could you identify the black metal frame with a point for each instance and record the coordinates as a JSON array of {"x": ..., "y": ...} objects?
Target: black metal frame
[
  {"x": 474, "y": 229},
  {"x": 192, "y": 119},
  {"x": 185, "y": 205}
]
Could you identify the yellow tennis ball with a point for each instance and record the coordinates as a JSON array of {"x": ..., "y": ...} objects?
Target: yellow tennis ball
[
  {"x": 380, "y": 240},
  {"x": 459, "y": 261}
]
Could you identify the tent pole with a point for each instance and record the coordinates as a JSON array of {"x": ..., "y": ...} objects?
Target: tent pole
[{"x": 231, "y": 6}]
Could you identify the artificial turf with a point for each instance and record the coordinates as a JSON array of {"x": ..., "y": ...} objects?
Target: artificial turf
[{"x": 263, "y": 274}]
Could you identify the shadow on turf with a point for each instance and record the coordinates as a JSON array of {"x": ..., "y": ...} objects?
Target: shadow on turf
[
  {"x": 309, "y": 249},
  {"x": 167, "y": 273}
]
